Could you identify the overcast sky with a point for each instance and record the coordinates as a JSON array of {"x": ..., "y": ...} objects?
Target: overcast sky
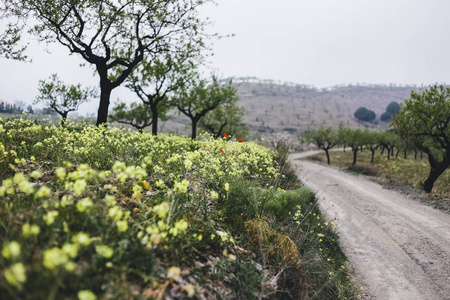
[{"x": 316, "y": 42}]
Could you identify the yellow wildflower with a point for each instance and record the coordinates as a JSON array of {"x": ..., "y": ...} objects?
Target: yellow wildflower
[
  {"x": 50, "y": 217},
  {"x": 86, "y": 295},
  {"x": 79, "y": 186},
  {"x": 104, "y": 251},
  {"x": 54, "y": 257},
  {"x": 11, "y": 250},
  {"x": 82, "y": 239},
  {"x": 16, "y": 275},
  {"x": 28, "y": 230},
  {"x": 122, "y": 225},
  {"x": 85, "y": 203}
]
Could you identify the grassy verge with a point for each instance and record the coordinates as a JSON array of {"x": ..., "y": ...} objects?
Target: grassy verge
[
  {"x": 399, "y": 172},
  {"x": 94, "y": 213}
]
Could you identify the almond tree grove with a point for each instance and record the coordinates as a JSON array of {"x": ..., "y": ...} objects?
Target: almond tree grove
[
  {"x": 112, "y": 36},
  {"x": 425, "y": 121}
]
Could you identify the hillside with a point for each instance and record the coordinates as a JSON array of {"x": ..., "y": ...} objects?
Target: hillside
[{"x": 275, "y": 107}]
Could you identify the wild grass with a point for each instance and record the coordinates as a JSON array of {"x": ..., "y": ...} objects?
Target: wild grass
[{"x": 90, "y": 213}]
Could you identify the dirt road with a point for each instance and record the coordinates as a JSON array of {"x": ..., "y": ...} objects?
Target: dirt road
[{"x": 398, "y": 247}]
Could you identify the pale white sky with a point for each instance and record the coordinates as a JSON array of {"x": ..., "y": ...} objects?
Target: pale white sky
[{"x": 315, "y": 42}]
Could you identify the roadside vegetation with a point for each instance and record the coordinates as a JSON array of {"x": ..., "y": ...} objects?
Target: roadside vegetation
[
  {"x": 400, "y": 173},
  {"x": 93, "y": 213},
  {"x": 422, "y": 125}
]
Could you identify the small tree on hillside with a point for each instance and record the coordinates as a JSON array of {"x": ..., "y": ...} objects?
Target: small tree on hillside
[
  {"x": 324, "y": 138},
  {"x": 391, "y": 110},
  {"x": 62, "y": 98},
  {"x": 201, "y": 97},
  {"x": 425, "y": 120}
]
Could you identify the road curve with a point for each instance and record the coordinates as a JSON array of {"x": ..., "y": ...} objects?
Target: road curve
[{"x": 398, "y": 247}]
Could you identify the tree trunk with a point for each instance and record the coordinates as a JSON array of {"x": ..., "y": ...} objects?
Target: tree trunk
[
  {"x": 64, "y": 118},
  {"x": 373, "y": 155},
  {"x": 405, "y": 156},
  {"x": 154, "y": 110},
  {"x": 389, "y": 153},
  {"x": 355, "y": 151},
  {"x": 436, "y": 169},
  {"x": 105, "y": 95},
  {"x": 328, "y": 156},
  {"x": 194, "y": 128}
]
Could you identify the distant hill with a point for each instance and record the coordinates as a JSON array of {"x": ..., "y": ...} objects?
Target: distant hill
[{"x": 272, "y": 107}]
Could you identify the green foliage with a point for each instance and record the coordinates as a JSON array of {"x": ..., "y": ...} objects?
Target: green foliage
[
  {"x": 283, "y": 204},
  {"x": 324, "y": 138},
  {"x": 62, "y": 98},
  {"x": 155, "y": 80},
  {"x": 353, "y": 138},
  {"x": 386, "y": 116},
  {"x": 364, "y": 114},
  {"x": 393, "y": 108},
  {"x": 111, "y": 36},
  {"x": 114, "y": 214},
  {"x": 200, "y": 97},
  {"x": 9, "y": 43},
  {"x": 424, "y": 121},
  {"x": 138, "y": 115},
  {"x": 226, "y": 118}
]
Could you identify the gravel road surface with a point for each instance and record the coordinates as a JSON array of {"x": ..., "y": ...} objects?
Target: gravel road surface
[{"x": 399, "y": 248}]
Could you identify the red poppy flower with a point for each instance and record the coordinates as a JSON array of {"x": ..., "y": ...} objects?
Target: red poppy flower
[
  {"x": 39, "y": 121},
  {"x": 225, "y": 136},
  {"x": 240, "y": 140},
  {"x": 221, "y": 150}
]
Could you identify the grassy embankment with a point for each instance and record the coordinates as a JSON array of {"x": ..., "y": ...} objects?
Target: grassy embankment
[
  {"x": 90, "y": 213},
  {"x": 399, "y": 171}
]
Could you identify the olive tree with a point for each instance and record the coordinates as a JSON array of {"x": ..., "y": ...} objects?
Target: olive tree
[
  {"x": 112, "y": 36},
  {"x": 424, "y": 119}
]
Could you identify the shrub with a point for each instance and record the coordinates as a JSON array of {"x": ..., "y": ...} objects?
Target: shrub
[{"x": 364, "y": 114}]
